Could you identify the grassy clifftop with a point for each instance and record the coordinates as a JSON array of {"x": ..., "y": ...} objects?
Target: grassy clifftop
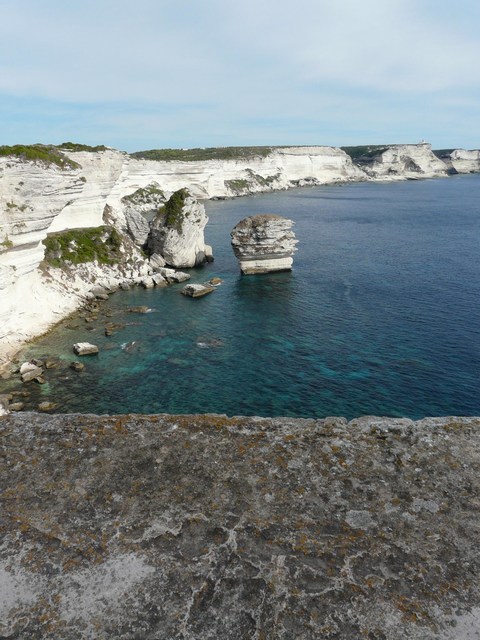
[
  {"x": 209, "y": 153},
  {"x": 46, "y": 154}
]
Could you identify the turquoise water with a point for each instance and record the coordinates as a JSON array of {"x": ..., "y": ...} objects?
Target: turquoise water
[{"x": 380, "y": 315}]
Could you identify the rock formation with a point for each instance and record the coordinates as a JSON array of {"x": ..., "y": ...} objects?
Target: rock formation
[
  {"x": 208, "y": 527},
  {"x": 85, "y": 348},
  {"x": 404, "y": 161},
  {"x": 197, "y": 290},
  {"x": 463, "y": 161},
  {"x": 264, "y": 243},
  {"x": 177, "y": 231}
]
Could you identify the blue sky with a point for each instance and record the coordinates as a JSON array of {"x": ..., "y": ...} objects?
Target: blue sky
[{"x": 186, "y": 73}]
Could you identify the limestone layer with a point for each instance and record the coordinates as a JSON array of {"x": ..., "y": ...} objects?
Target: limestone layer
[
  {"x": 264, "y": 243},
  {"x": 464, "y": 161},
  {"x": 207, "y": 527}
]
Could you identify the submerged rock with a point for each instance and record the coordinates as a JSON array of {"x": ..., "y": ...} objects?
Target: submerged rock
[
  {"x": 77, "y": 366},
  {"x": 141, "y": 309},
  {"x": 47, "y": 406},
  {"x": 264, "y": 243}
]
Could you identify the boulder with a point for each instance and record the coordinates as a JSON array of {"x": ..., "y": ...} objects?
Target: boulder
[
  {"x": 77, "y": 366},
  {"x": 113, "y": 327},
  {"x": 85, "y": 348},
  {"x": 172, "y": 276},
  {"x": 142, "y": 309},
  {"x": 100, "y": 293},
  {"x": 197, "y": 290},
  {"x": 5, "y": 406},
  {"x": 159, "y": 280},
  {"x": 264, "y": 243},
  {"x": 47, "y": 406},
  {"x": 157, "y": 261},
  {"x": 147, "y": 283},
  {"x": 30, "y": 371},
  {"x": 28, "y": 366},
  {"x": 208, "y": 253}
]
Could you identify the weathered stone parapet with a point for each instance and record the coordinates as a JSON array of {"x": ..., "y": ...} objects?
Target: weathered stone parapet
[{"x": 205, "y": 526}]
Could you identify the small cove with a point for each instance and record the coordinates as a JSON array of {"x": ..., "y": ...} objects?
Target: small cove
[{"x": 380, "y": 315}]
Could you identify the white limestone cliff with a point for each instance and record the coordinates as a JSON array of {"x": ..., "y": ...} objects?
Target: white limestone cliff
[
  {"x": 463, "y": 161},
  {"x": 405, "y": 162}
]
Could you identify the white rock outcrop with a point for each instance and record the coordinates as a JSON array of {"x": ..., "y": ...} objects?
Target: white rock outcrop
[
  {"x": 405, "y": 162},
  {"x": 463, "y": 161},
  {"x": 177, "y": 231},
  {"x": 264, "y": 243},
  {"x": 85, "y": 348}
]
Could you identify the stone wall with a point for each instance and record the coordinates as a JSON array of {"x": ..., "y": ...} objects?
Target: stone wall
[{"x": 207, "y": 527}]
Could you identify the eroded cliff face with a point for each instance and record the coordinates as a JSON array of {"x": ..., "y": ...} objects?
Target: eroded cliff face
[
  {"x": 208, "y": 527},
  {"x": 464, "y": 161},
  {"x": 406, "y": 161}
]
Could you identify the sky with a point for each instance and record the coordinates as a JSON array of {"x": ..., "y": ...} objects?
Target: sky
[{"x": 148, "y": 74}]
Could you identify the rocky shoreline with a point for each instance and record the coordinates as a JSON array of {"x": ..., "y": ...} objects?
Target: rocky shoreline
[{"x": 213, "y": 527}]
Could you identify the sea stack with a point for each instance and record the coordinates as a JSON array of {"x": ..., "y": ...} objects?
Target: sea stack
[{"x": 264, "y": 243}]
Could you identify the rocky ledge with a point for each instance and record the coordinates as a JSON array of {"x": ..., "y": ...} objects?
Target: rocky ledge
[
  {"x": 264, "y": 243},
  {"x": 208, "y": 527}
]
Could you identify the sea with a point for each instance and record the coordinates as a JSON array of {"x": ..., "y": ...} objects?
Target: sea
[{"x": 379, "y": 316}]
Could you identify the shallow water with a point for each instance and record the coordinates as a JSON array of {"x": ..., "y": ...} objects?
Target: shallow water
[{"x": 380, "y": 315}]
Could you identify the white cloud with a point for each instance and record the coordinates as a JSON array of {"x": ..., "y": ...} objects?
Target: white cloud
[{"x": 241, "y": 61}]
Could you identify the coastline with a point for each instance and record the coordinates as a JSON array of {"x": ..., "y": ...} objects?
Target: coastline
[{"x": 33, "y": 304}]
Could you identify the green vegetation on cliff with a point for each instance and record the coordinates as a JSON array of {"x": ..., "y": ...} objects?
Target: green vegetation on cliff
[
  {"x": 173, "y": 209},
  {"x": 39, "y": 153},
  {"x": 75, "y": 146},
  {"x": 209, "y": 153},
  {"x": 145, "y": 194},
  {"x": 365, "y": 153},
  {"x": 442, "y": 153},
  {"x": 83, "y": 245}
]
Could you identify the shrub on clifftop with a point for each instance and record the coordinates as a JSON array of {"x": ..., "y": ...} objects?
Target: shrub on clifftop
[
  {"x": 39, "y": 153},
  {"x": 173, "y": 209}
]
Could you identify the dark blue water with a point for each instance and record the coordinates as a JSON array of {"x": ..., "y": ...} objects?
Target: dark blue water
[{"x": 381, "y": 315}]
